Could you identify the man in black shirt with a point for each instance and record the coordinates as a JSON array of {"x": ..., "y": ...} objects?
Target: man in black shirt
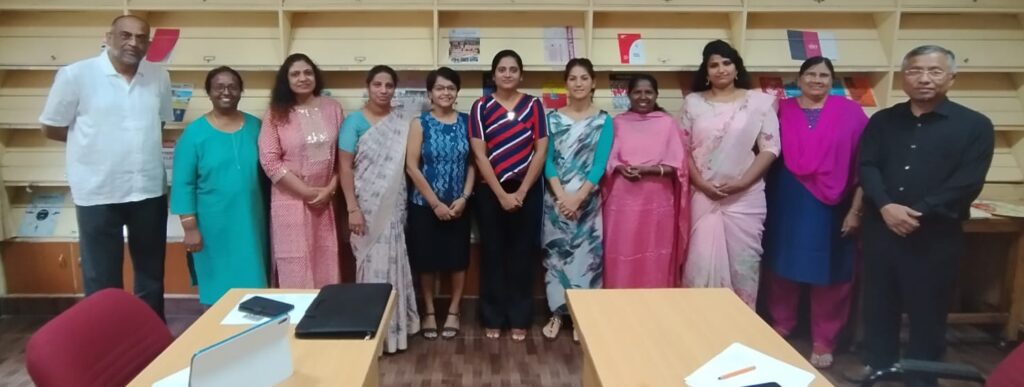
[{"x": 922, "y": 163}]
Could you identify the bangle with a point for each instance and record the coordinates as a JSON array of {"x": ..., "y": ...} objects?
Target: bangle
[
  {"x": 661, "y": 170},
  {"x": 185, "y": 218},
  {"x": 354, "y": 210},
  {"x": 466, "y": 195}
]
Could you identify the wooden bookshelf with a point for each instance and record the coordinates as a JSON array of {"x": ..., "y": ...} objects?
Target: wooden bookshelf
[
  {"x": 673, "y": 40},
  {"x": 347, "y": 37},
  {"x": 522, "y": 31},
  {"x": 358, "y": 40}
]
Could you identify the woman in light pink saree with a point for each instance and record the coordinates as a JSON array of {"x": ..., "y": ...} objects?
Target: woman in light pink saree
[
  {"x": 734, "y": 139},
  {"x": 645, "y": 191}
]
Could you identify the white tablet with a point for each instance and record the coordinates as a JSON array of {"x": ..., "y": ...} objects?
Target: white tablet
[{"x": 257, "y": 356}]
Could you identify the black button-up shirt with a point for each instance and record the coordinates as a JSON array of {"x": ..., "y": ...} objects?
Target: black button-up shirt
[{"x": 934, "y": 163}]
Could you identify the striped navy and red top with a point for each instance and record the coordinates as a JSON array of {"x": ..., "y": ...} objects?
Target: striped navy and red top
[{"x": 510, "y": 135}]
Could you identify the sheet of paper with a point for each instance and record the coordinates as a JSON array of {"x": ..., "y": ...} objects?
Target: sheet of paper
[
  {"x": 979, "y": 214},
  {"x": 177, "y": 379},
  {"x": 301, "y": 302},
  {"x": 738, "y": 356},
  {"x": 40, "y": 218},
  {"x": 559, "y": 44},
  {"x": 829, "y": 45}
]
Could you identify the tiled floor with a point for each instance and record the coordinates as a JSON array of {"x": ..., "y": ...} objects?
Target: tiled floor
[{"x": 472, "y": 360}]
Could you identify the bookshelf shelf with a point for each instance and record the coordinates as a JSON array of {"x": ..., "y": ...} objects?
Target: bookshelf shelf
[
  {"x": 251, "y": 39},
  {"x": 856, "y": 37},
  {"x": 980, "y": 41},
  {"x": 364, "y": 38}
]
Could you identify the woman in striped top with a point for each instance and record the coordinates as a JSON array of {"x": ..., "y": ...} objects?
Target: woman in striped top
[{"x": 508, "y": 135}]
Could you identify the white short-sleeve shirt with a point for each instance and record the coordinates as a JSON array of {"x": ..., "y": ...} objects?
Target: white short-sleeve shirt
[{"x": 114, "y": 138}]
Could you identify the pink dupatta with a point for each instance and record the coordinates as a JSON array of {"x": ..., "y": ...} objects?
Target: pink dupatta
[
  {"x": 822, "y": 158},
  {"x": 653, "y": 139}
]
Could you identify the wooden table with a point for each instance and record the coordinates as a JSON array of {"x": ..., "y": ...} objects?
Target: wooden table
[
  {"x": 657, "y": 337},
  {"x": 1012, "y": 295},
  {"x": 316, "y": 362}
]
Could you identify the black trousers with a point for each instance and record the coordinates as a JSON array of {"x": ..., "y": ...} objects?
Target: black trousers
[
  {"x": 510, "y": 243},
  {"x": 915, "y": 275},
  {"x": 102, "y": 244}
]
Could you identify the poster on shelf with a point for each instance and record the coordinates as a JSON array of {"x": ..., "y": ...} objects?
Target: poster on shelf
[
  {"x": 773, "y": 86},
  {"x": 40, "y": 218},
  {"x": 181, "y": 94},
  {"x": 162, "y": 44},
  {"x": 856, "y": 88},
  {"x": 808, "y": 44},
  {"x": 559, "y": 44},
  {"x": 554, "y": 95},
  {"x": 618, "y": 83},
  {"x": 859, "y": 90},
  {"x": 464, "y": 45},
  {"x": 631, "y": 49}
]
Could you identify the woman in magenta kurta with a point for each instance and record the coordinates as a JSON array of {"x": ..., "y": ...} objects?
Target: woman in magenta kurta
[
  {"x": 814, "y": 208},
  {"x": 645, "y": 193},
  {"x": 297, "y": 152}
]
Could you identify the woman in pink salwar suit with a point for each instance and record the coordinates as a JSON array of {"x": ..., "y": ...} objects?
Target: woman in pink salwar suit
[
  {"x": 733, "y": 140},
  {"x": 297, "y": 152},
  {"x": 645, "y": 191}
]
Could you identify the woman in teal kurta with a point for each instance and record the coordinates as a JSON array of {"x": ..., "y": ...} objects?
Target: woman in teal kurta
[{"x": 216, "y": 192}]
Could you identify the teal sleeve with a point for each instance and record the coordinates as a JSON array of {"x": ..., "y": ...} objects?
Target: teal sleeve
[
  {"x": 351, "y": 129},
  {"x": 604, "y": 148},
  {"x": 185, "y": 174},
  {"x": 549, "y": 161}
]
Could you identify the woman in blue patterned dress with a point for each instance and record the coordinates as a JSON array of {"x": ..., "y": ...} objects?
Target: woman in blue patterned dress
[
  {"x": 580, "y": 138},
  {"x": 438, "y": 164}
]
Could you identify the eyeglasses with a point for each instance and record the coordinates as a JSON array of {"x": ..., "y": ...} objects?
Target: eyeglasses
[
  {"x": 932, "y": 73},
  {"x": 221, "y": 89}
]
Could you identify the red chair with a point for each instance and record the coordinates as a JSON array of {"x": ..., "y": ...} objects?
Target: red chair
[{"x": 104, "y": 340}]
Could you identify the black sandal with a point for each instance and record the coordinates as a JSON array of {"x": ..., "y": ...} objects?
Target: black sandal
[
  {"x": 448, "y": 332},
  {"x": 429, "y": 333}
]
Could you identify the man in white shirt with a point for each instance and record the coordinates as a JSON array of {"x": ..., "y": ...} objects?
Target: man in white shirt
[{"x": 110, "y": 110}]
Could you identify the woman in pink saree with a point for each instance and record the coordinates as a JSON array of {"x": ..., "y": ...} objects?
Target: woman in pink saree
[
  {"x": 645, "y": 191},
  {"x": 296, "y": 145},
  {"x": 734, "y": 135}
]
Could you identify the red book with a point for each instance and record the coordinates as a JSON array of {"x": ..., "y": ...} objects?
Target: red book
[
  {"x": 162, "y": 44},
  {"x": 812, "y": 45},
  {"x": 626, "y": 42},
  {"x": 773, "y": 86}
]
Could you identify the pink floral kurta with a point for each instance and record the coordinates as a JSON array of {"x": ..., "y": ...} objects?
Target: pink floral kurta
[{"x": 303, "y": 238}]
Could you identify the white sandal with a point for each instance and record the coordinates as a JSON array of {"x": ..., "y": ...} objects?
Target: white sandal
[
  {"x": 552, "y": 328},
  {"x": 822, "y": 360}
]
